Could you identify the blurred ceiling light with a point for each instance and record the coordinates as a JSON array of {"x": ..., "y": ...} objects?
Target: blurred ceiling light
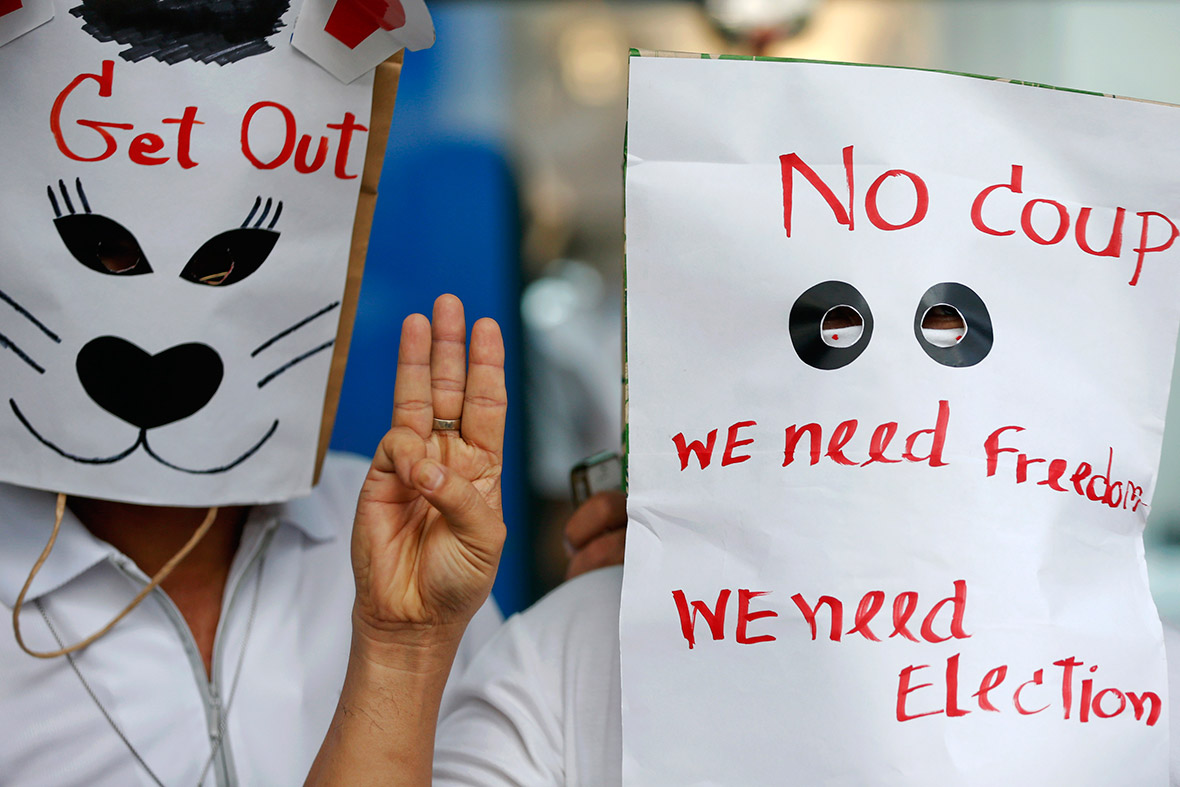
[
  {"x": 569, "y": 289},
  {"x": 593, "y": 56},
  {"x": 760, "y": 22}
]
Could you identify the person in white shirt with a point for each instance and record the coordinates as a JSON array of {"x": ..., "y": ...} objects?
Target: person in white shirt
[
  {"x": 157, "y": 700},
  {"x": 540, "y": 704},
  {"x": 229, "y": 671}
]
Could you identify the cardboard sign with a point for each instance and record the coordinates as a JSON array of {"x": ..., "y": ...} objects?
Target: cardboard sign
[
  {"x": 185, "y": 195},
  {"x": 899, "y": 346}
]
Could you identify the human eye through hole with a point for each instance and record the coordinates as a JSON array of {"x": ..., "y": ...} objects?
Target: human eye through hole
[
  {"x": 842, "y": 326},
  {"x": 831, "y": 325},
  {"x": 952, "y": 325},
  {"x": 231, "y": 256},
  {"x": 99, "y": 243},
  {"x": 943, "y": 325}
]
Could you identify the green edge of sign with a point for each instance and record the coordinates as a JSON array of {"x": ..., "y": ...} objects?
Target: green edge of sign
[{"x": 763, "y": 58}]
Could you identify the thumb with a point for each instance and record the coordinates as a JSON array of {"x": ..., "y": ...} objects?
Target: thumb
[{"x": 470, "y": 518}]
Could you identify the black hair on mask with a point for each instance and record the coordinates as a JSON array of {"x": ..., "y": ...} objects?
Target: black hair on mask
[{"x": 171, "y": 31}]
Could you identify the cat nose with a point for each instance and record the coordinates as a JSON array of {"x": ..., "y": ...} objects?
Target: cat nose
[{"x": 144, "y": 389}]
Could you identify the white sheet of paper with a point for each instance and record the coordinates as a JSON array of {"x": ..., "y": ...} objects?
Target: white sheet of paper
[
  {"x": 139, "y": 159},
  {"x": 1025, "y": 524},
  {"x": 18, "y": 17},
  {"x": 345, "y": 63}
]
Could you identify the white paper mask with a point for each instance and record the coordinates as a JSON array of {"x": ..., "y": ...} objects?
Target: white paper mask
[
  {"x": 902, "y": 548},
  {"x": 179, "y": 188}
]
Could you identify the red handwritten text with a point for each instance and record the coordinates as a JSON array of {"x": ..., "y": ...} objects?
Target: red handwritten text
[
  {"x": 837, "y": 444},
  {"x": 845, "y": 213},
  {"x": 300, "y": 144},
  {"x": 1045, "y": 222},
  {"x": 106, "y": 138},
  {"x": 715, "y": 616},
  {"x": 1083, "y": 480},
  {"x": 145, "y": 149},
  {"x": 1056, "y": 228},
  {"x": 1029, "y": 697},
  {"x": 904, "y": 607}
]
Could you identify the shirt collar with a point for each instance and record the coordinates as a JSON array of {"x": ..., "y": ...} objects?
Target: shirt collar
[
  {"x": 309, "y": 515},
  {"x": 26, "y": 520}
]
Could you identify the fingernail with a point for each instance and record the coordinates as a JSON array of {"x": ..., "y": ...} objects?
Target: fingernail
[{"x": 429, "y": 475}]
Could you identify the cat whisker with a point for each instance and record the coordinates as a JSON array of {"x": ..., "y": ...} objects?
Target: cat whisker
[
  {"x": 294, "y": 327},
  {"x": 297, "y": 359},
  {"x": 23, "y": 312},
  {"x": 8, "y": 345}
]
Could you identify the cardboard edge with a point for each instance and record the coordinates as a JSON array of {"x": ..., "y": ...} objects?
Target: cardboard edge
[
  {"x": 385, "y": 84},
  {"x": 668, "y": 53}
]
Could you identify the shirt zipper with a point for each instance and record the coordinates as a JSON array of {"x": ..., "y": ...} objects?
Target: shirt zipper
[{"x": 226, "y": 774}]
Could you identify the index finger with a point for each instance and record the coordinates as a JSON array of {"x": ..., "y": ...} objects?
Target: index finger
[
  {"x": 485, "y": 401},
  {"x": 412, "y": 404}
]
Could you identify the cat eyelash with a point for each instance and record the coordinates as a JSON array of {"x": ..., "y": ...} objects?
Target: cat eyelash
[{"x": 265, "y": 211}]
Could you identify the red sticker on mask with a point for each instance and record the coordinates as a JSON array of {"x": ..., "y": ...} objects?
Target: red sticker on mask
[{"x": 352, "y": 21}]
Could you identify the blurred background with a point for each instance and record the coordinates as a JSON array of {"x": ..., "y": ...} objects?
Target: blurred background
[{"x": 503, "y": 184}]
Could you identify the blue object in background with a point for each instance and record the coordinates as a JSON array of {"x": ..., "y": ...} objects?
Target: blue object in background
[{"x": 446, "y": 221}]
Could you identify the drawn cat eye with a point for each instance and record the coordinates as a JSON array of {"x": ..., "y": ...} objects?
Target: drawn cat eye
[
  {"x": 102, "y": 244},
  {"x": 99, "y": 243},
  {"x": 831, "y": 325},
  {"x": 232, "y": 256},
  {"x": 952, "y": 325}
]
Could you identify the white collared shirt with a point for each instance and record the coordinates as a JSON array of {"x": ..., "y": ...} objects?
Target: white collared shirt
[{"x": 147, "y": 674}]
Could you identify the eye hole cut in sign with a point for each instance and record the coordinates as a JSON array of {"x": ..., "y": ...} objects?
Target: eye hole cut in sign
[
  {"x": 831, "y": 325},
  {"x": 895, "y": 403}
]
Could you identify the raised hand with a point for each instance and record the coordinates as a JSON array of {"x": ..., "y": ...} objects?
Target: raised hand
[
  {"x": 429, "y": 526},
  {"x": 425, "y": 546}
]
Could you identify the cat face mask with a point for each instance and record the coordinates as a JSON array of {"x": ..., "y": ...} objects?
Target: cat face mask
[{"x": 179, "y": 192}]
